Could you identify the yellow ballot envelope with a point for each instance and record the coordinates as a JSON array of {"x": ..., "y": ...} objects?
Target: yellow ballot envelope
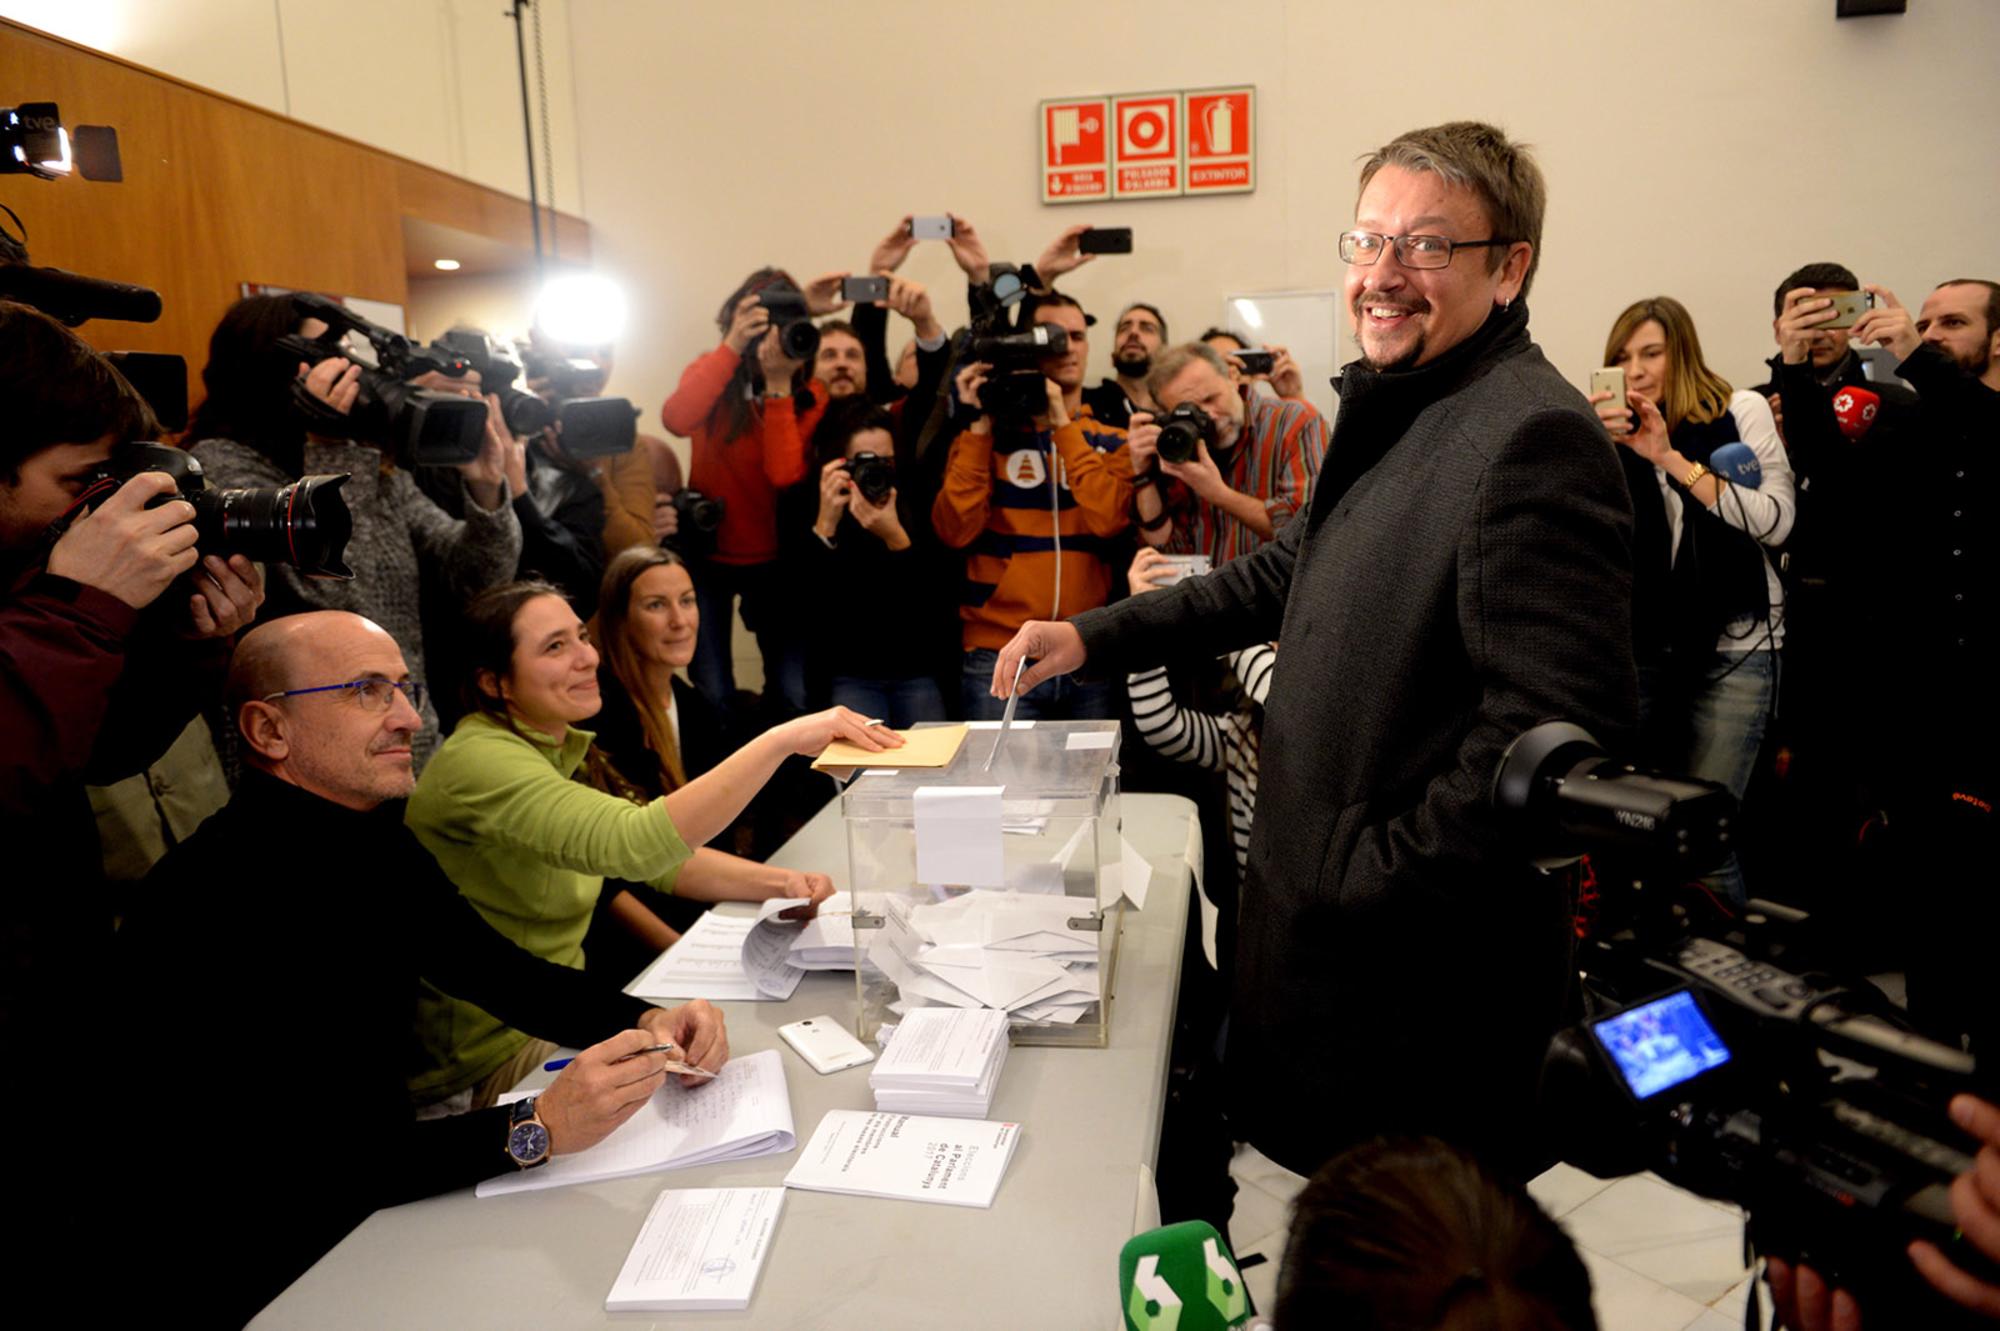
[{"x": 927, "y": 746}]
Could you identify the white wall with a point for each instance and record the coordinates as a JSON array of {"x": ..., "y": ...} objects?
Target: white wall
[
  {"x": 432, "y": 80},
  {"x": 1701, "y": 148}
]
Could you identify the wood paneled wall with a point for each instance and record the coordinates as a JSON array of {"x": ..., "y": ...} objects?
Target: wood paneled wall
[{"x": 218, "y": 192}]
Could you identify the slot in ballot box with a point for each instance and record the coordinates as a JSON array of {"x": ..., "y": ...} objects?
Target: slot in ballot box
[{"x": 978, "y": 885}]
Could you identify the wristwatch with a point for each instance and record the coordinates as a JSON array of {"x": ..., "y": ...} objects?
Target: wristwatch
[
  {"x": 1695, "y": 473},
  {"x": 527, "y": 1136}
]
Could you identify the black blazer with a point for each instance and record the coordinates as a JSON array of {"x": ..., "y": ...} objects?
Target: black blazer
[{"x": 1462, "y": 572}]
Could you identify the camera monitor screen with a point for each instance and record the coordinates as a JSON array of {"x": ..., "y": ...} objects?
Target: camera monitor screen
[{"x": 1661, "y": 1044}]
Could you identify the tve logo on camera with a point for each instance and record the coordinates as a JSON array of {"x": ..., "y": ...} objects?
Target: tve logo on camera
[{"x": 1146, "y": 145}]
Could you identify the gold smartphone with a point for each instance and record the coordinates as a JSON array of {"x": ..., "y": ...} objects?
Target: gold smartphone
[
  {"x": 1609, "y": 380},
  {"x": 1848, "y": 306}
]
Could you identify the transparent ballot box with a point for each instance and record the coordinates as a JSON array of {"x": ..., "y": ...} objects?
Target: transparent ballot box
[{"x": 979, "y": 886}]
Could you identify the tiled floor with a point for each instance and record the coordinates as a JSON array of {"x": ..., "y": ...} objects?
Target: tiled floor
[{"x": 1660, "y": 1258}]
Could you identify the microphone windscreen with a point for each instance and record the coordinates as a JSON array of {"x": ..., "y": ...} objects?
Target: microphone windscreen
[
  {"x": 1737, "y": 464},
  {"x": 72, "y": 298},
  {"x": 1855, "y": 409},
  {"x": 1182, "y": 1277}
]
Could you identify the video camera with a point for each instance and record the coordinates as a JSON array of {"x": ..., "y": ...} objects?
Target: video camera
[
  {"x": 1014, "y": 393},
  {"x": 1803, "y": 1099},
  {"x": 417, "y": 426},
  {"x": 304, "y": 523},
  {"x": 587, "y": 426}
]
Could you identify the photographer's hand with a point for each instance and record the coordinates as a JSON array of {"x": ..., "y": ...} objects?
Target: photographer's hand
[
  {"x": 1286, "y": 378},
  {"x": 127, "y": 549},
  {"x": 971, "y": 378},
  {"x": 1805, "y": 310},
  {"x": 969, "y": 250},
  {"x": 908, "y": 298},
  {"x": 485, "y": 474},
  {"x": 335, "y": 381},
  {"x": 1975, "y": 1205},
  {"x": 1887, "y": 325},
  {"x": 750, "y": 319},
  {"x": 823, "y": 294},
  {"x": 836, "y": 491},
  {"x": 1058, "y": 416},
  {"x": 778, "y": 369},
  {"x": 1142, "y": 442},
  {"x": 229, "y": 601},
  {"x": 880, "y": 521},
  {"x": 1148, "y": 565},
  {"x": 666, "y": 518},
  {"x": 1802, "y": 1300},
  {"x": 1199, "y": 474},
  {"x": 893, "y": 249},
  {"x": 1062, "y": 255}
]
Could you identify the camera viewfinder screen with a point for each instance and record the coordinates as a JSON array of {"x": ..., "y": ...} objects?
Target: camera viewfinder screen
[{"x": 1662, "y": 1044}]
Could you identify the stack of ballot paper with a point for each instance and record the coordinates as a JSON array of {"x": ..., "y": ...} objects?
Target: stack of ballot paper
[
  {"x": 745, "y": 1112},
  {"x": 943, "y": 1060},
  {"x": 989, "y": 949},
  {"x": 955, "y": 1161},
  {"x": 699, "y": 1250}
]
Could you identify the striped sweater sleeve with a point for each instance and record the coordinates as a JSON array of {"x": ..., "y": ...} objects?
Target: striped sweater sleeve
[{"x": 1176, "y": 732}]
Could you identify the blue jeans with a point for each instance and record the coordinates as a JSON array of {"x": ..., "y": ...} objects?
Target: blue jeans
[
  {"x": 1063, "y": 698},
  {"x": 900, "y": 702},
  {"x": 1709, "y": 722},
  {"x": 717, "y": 587}
]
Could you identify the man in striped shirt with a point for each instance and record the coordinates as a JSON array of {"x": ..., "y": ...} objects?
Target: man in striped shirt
[{"x": 1242, "y": 486}]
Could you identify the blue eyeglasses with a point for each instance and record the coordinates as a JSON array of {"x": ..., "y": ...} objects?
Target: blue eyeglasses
[{"x": 373, "y": 694}]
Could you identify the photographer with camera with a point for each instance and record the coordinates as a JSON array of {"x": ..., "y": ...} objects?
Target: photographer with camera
[
  {"x": 1219, "y": 469},
  {"x": 115, "y": 630},
  {"x": 856, "y": 550},
  {"x": 749, "y": 408},
  {"x": 1035, "y": 490},
  {"x": 268, "y": 419},
  {"x": 1274, "y": 372}
]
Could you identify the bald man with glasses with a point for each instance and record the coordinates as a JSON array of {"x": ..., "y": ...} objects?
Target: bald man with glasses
[{"x": 276, "y": 955}]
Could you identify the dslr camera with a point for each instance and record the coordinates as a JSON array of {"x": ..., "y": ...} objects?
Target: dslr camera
[
  {"x": 700, "y": 516},
  {"x": 417, "y": 426},
  {"x": 1182, "y": 430},
  {"x": 791, "y": 321},
  {"x": 587, "y": 426},
  {"x": 304, "y": 524},
  {"x": 873, "y": 474},
  {"x": 1713, "y": 1053}
]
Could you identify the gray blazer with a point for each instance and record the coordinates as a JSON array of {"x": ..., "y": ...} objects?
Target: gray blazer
[{"x": 1462, "y": 572}]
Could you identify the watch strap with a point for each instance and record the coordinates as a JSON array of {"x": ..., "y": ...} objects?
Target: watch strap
[{"x": 1695, "y": 473}]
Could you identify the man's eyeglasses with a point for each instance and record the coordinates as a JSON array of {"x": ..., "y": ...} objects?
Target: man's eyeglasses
[
  {"x": 1363, "y": 248},
  {"x": 373, "y": 694}
]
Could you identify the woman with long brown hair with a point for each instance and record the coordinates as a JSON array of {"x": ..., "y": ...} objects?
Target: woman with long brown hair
[
  {"x": 527, "y": 816},
  {"x": 1708, "y": 610}
]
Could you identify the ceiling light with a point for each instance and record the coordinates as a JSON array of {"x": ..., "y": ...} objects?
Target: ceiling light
[{"x": 445, "y": 265}]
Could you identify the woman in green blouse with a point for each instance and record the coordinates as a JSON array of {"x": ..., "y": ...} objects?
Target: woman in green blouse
[{"x": 526, "y": 815}]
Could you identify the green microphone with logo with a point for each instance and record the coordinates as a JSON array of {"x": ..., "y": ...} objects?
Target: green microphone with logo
[{"x": 1181, "y": 1278}]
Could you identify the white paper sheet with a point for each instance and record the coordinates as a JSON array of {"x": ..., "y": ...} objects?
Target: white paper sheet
[
  {"x": 958, "y": 835},
  {"x": 957, "y": 1162},
  {"x": 700, "y": 1250},
  {"x": 723, "y": 959},
  {"x": 1090, "y": 739},
  {"x": 1130, "y": 877},
  {"x": 744, "y": 1112}
]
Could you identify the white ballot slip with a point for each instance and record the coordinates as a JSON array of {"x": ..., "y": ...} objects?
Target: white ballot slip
[
  {"x": 1129, "y": 878},
  {"x": 700, "y": 1250},
  {"x": 744, "y": 1112},
  {"x": 958, "y": 835},
  {"x": 716, "y": 959},
  {"x": 823, "y": 943},
  {"x": 951, "y": 1161}
]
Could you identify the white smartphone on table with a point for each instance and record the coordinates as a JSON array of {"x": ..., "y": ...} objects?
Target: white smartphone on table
[{"x": 825, "y": 1044}]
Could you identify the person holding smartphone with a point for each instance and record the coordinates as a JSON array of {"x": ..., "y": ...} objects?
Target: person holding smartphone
[{"x": 1708, "y": 608}]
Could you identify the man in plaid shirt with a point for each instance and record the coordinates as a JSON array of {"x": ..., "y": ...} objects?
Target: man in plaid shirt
[{"x": 1243, "y": 485}]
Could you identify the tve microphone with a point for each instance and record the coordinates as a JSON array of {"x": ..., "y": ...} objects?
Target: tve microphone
[
  {"x": 1181, "y": 1278},
  {"x": 71, "y": 298},
  {"x": 1855, "y": 409},
  {"x": 1737, "y": 464}
]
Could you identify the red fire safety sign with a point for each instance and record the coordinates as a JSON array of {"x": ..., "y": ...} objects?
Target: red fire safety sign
[
  {"x": 1221, "y": 139},
  {"x": 1076, "y": 150},
  {"x": 1146, "y": 145}
]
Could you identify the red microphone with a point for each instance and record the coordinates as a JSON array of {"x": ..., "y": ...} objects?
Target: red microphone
[{"x": 1855, "y": 409}]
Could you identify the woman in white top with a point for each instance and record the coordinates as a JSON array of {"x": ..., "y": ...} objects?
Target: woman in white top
[{"x": 1708, "y": 609}]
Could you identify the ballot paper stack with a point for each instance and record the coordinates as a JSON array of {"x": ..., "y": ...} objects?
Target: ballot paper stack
[
  {"x": 1011, "y": 951},
  {"x": 942, "y": 1061}
]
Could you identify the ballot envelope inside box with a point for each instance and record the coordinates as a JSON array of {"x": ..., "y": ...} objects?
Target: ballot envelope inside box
[{"x": 983, "y": 885}]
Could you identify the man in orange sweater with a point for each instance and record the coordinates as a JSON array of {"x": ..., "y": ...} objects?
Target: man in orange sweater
[{"x": 1036, "y": 547}]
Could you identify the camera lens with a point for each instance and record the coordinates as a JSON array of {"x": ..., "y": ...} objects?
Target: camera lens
[
  {"x": 305, "y": 524},
  {"x": 525, "y": 413},
  {"x": 799, "y": 340}
]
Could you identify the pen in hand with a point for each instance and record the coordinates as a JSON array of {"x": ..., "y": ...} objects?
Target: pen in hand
[{"x": 673, "y": 1064}]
